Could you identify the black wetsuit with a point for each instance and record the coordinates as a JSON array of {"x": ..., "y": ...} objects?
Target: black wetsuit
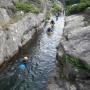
[
  {"x": 52, "y": 22},
  {"x": 49, "y": 29}
]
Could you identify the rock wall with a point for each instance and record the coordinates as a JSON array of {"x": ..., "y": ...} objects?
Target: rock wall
[
  {"x": 4, "y": 18},
  {"x": 18, "y": 34},
  {"x": 73, "y": 52},
  {"x": 15, "y": 34}
]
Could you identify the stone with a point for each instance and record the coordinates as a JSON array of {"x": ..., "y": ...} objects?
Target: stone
[
  {"x": 78, "y": 35},
  {"x": 54, "y": 87},
  {"x": 4, "y": 18},
  {"x": 5, "y": 3},
  {"x": 87, "y": 11},
  {"x": 2, "y": 45},
  {"x": 19, "y": 13},
  {"x": 18, "y": 34},
  {"x": 75, "y": 42}
]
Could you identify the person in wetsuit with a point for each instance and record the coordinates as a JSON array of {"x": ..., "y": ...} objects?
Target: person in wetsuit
[
  {"x": 23, "y": 65},
  {"x": 49, "y": 29},
  {"x": 52, "y": 24}
]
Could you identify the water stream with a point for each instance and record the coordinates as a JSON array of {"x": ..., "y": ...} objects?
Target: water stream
[{"x": 42, "y": 58}]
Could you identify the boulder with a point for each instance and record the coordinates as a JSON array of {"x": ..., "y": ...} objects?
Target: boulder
[
  {"x": 78, "y": 38},
  {"x": 74, "y": 52}
]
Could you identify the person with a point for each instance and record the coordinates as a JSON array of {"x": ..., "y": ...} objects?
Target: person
[
  {"x": 52, "y": 23},
  {"x": 57, "y": 15},
  {"x": 23, "y": 65},
  {"x": 48, "y": 29}
]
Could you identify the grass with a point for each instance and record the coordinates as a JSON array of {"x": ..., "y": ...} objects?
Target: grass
[{"x": 27, "y": 7}]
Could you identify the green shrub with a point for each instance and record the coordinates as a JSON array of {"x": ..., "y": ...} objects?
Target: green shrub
[
  {"x": 26, "y": 7},
  {"x": 84, "y": 0},
  {"x": 76, "y": 8},
  {"x": 55, "y": 8},
  {"x": 70, "y": 2}
]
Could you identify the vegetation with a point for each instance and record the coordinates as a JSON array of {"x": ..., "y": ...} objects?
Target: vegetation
[
  {"x": 47, "y": 17},
  {"x": 55, "y": 8},
  {"x": 75, "y": 62},
  {"x": 26, "y": 7},
  {"x": 77, "y": 8},
  {"x": 70, "y": 2}
]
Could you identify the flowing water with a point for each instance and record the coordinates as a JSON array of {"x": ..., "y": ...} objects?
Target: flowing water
[{"x": 42, "y": 58}]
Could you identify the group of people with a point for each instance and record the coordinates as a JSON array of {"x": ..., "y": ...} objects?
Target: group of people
[
  {"x": 23, "y": 64},
  {"x": 51, "y": 26},
  {"x": 52, "y": 22},
  {"x": 57, "y": 15}
]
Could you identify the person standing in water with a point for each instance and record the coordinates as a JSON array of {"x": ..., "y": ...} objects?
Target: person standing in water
[
  {"x": 23, "y": 64},
  {"x": 52, "y": 23}
]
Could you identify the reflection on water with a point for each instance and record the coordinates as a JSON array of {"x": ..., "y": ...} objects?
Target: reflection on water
[{"x": 42, "y": 56}]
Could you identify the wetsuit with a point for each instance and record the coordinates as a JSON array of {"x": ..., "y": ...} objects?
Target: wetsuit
[
  {"x": 23, "y": 66},
  {"x": 52, "y": 22},
  {"x": 49, "y": 29}
]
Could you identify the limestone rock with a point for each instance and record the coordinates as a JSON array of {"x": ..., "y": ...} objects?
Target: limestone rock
[
  {"x": 2, "y": 45},
  {"x": 78, "y": 38},
  {"x": 18, "y": 34},
  {"x": 5, "y": 3},
  {"x": 75, "y": 43},
  {"x": 4, "y": 18}
]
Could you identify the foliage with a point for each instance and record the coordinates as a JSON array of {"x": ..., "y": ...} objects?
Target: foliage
[
  {"x": 76, "y": 8},
  {"x": 55, "y": 8},
  {"x": 70, "y": 2},
  {"x": 84, "y": 0},
  {"x": 75, "y": 62},
  {"x": 47, "y": 18},
  {"x": 26, "y": 7}
]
